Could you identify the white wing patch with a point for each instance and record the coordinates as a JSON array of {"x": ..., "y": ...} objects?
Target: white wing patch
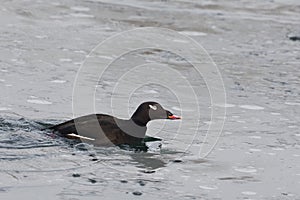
[
  {"x": 153, "y": 107},
  {"x": 80, "y": 137}
]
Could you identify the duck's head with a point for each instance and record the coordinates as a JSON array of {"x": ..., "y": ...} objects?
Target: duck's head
[{"x": 150, "y": 110}]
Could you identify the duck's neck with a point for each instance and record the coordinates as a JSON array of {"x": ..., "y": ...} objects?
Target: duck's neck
[{"x": 140, "y": 118}]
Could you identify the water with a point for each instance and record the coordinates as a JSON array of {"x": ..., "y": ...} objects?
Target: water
[{"x": 44, "y": 43}]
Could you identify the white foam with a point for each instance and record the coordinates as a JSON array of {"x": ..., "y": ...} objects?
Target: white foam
[
  {"x": 255, "y": 137},
  {"x": 208, "y": 122},
  {"x": 82, "y": 15},
  {"x": 226, "y": 105},
  {"x": 4, "y": 109},
  {"x": 274, "y": 113},
  {"x": 292, "y": 103},
  {"x": 278, "y": 149},
  {"x": 248, "y": 169},
  {"x": 180, "y": 41},
  {"x": 80, "y": 8},
  {"x": 251, "y": 107},
  {"x": 255, "y": 150},
  {"x": 65, "y": 60},
  {"x": 292, "y": 126},
  {"x": 55, "y": 17},
  {"x": 41, "y": 36},
  {"x": 208, "y": 187},
  {"x": 151, "y": 91},
  {"x": 248, "y": 193},
  {"x": 58, "y": 81},
  {"x": 106, "y": 57},
  {"x": 176, "y": 108},
  {"x": 37, "y": 101},
  {"x": 193, "y": 33}
]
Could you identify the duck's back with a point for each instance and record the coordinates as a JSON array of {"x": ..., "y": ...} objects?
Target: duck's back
[{"x": 101, "y": 129}]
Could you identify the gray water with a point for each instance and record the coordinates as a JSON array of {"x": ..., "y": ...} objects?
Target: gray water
[{"x": 44, "y": 43}]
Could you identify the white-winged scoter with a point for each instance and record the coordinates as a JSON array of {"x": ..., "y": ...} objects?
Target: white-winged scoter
[{"x": 104, "y": 130}]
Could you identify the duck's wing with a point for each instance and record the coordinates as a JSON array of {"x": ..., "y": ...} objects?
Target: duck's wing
[
  {"x": 99, "y": 129},
  {"x": 86, "y": 123}
]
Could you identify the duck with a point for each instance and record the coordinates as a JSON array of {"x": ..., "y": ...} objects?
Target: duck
[{"x": 107, "y": 130}]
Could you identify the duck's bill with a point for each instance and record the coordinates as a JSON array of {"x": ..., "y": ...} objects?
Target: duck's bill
[{"x": 174, "y": 117}]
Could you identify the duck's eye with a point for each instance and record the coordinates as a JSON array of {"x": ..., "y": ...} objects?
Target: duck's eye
[
  {"x": 153, "y": 107},
  {"x": 169, "y": 113}
]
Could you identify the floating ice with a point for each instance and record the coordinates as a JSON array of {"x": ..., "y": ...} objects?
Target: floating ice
[
  {"x": 251, "y": 107},
  {"x": 37, "y": 101}
]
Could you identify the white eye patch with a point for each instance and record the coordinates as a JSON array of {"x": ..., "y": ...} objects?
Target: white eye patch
[{"x": 153, "y": 107}]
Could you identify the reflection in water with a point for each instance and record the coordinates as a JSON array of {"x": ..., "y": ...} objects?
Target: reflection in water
[{"x": 147, "y": 161}]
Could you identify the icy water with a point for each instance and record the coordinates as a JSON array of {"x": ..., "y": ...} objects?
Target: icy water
[{"x": 44, "y": 43}]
